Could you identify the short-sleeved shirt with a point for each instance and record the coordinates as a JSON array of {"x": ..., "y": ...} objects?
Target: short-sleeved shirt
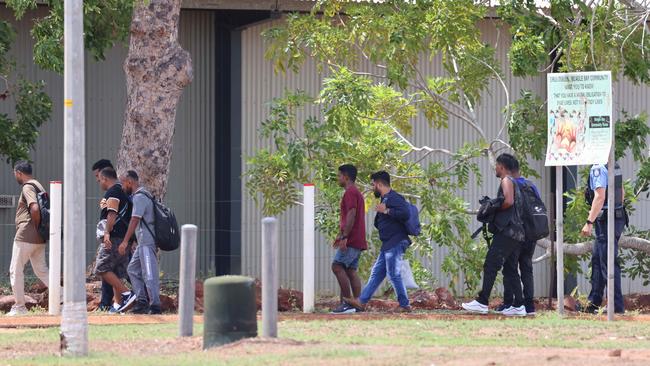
[
  {"x": 598, "y": 179},
  {"x": 25, "y": 230},
  {"x": 143, "y": 209},
  {"x": 116, "y": 200},
  {"x": 353, "y": 199}
]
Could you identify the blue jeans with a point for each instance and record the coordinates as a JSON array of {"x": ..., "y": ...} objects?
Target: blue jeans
[
  {"x": 599, "y": 265},
  {"x": 388, "y": 262},
  {"x": 348, "y": 258}
]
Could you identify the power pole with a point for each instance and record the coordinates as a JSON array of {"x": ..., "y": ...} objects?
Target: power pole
[{"x": 74, "y": 320}]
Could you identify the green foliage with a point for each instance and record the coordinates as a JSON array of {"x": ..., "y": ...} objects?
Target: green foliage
[
  {"x": 578, "y": 36},
  {"x": 636, "y": 264},
  {"x": 32, "y": 106},
  {"x": 367, "y": 111},
  {"x": 106, "y": 23},
  {"x": 527, "y": 129}
]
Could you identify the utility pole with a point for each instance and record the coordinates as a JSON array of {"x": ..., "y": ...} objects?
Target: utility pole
[{"x": 74, "y": 320}]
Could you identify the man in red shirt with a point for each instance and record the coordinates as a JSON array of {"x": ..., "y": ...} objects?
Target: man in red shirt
[{"x": 351, "y": 240}]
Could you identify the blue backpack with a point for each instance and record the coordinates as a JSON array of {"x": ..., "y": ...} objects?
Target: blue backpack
[{"x": 412, "y": 225}]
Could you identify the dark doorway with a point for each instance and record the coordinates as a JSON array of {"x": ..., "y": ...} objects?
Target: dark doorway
[{"x": 228, "y": 25}]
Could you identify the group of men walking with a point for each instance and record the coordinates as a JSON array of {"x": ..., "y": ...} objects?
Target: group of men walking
[
  {"x": 509, "y": 251},
  {"x": 127, "y": 247},
  {"x": 126, "y": 244}
]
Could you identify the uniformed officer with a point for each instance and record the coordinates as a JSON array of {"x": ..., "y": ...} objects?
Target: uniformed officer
[{"x": 597, "y": 194}]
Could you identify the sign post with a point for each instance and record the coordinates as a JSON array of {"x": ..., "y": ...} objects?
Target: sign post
[{"x": 580, "y": 132}]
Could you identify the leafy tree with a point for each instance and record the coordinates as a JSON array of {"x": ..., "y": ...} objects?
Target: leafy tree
[
  {"x": 157, "y": 69},
  {"x": 105, "y": 23},
  {"x": 368, "y": 111},
  {"x": 32, "y": 107}
]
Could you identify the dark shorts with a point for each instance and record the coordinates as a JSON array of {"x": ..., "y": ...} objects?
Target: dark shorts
[
  {"x": 348, "y": 258},
  {"x": 110, "y": 260}
]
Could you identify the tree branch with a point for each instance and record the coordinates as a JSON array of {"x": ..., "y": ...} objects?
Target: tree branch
[{"x": 626, "y": 242}]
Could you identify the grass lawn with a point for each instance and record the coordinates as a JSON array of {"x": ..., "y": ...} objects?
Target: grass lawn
[{"x": 545, "y": 340}]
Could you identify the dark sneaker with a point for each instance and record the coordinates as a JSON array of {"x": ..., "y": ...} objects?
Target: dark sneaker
[
  {"x": 127, "y": 301},
  {"x": 140, "y": 307},
  {"x": 355, "y": 303},
  {"x": 502, "y": 307},
  {"x": 592, "y": 309},
  {"x": 530, "y": 310},
  {"x": 155, "y": 310},
  {"x": 344, "y": 308},
  {"x": 114, "y": 310}
]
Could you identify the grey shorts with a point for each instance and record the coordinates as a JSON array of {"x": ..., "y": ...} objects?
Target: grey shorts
[{"x": 111, "y": 260}]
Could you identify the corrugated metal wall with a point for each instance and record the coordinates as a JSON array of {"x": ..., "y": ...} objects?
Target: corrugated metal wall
[
  {"x": 260, "y": 85},
  {"x": 191, "y": 185}
]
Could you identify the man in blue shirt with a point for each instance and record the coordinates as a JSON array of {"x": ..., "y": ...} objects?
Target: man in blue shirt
[
  {"x": 392, "y": 213},
  {"x": 598, "y": 218}
]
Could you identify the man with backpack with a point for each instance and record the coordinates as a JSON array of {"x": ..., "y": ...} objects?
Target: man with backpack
[
  {"x": 509, "y": 235},
  {"x": 143, "y": 268},
  {"x": 521, "y": 260},
  {"x": 29, "y": 244},
  {"x": 596, "y": 197},
  {"x": 351, "y": 240},
  {"x": 115, "y": 215},
  {"x": 392, "y": 214}
]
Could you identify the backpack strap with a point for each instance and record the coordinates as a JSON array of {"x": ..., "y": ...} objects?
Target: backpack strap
[
  {"x": 38, "y": 190},
  {"x": 153, "y": 201}
]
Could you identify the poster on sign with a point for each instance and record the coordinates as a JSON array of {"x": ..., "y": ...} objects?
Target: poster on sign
[{"x": 579, "y": 118}]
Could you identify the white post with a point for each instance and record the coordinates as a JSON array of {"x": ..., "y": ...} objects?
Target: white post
[
  {"x": 54, "y": 287},
  {"x": 611, "y": 205},
  {"x": 270, "y": 277},
  {"x": 559, "y": 224},
  {"x": 186, "y": 288},
  {"x": 74, "y": 320},
  {"x": 308, "y": 250}
]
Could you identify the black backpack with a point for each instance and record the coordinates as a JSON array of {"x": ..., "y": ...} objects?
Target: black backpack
[
  {"x": 534, "y": 215},
  {"x": 43, "y": 200},
  {"x": 165, "y": 233}
]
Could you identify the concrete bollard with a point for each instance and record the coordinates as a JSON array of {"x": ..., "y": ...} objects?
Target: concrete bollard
[
  {"x": 186, "y": 287},
  {"x": 270, "y": 277},
  {"x": 230, "y": 310}
]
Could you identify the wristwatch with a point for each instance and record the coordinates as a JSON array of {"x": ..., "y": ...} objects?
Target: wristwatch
[{"x": 590, "y": 222}]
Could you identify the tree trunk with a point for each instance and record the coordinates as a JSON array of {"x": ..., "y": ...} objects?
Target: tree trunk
[{"x": 157, "y": 70}]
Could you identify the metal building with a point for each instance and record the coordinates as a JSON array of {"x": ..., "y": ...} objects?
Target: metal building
[{"x": 217, "y": 129}]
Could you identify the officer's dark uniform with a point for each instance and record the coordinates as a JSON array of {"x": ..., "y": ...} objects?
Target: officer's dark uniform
[{"x": 598, "y": 179}]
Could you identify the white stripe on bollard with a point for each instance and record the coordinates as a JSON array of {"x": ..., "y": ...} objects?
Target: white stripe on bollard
[
  {"x": 186, "y": 288},
  {"x": 54, "y": 287},
  {"x": 308, "y": 248}
]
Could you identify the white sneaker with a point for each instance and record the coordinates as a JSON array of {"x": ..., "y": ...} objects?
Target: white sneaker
[
  {"x": 18, "y": 311},
  {"x": 513, "y": 311},
  {"x": 476, "y": 307}
]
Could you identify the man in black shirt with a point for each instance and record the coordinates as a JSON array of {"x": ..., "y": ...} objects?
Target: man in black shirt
[
  {"x": 107, "y": 290},
  {"x": 114, "y": 219}
]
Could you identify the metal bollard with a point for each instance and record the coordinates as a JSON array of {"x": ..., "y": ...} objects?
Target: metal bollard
[
  {"x": 270, "y": 277},
  {"x": 186, "y": 287}
]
